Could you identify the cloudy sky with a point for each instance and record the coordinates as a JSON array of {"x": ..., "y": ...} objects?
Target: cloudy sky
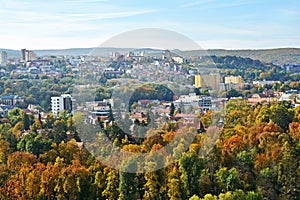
[{"x": 229, "y": 24}]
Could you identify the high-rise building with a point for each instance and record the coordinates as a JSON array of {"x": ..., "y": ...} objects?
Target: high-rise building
[
  {"x": 198, "y": 81},
  {"x": 27, "y": 55},
  {"x": 211, "y": 81},
  {"x": 3, "y": 58},
  {"x": 23, "y": 55},
  {"x": 58, "y": 104}
]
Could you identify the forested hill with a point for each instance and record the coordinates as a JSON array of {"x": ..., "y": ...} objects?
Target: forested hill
[
  {"x": 275, "y": 56},
  {"x": 279, "y": 56},
  {"x": 234, "y": 62}
]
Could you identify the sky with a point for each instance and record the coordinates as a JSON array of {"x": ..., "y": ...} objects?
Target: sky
[{"x": 212, "y": 24}]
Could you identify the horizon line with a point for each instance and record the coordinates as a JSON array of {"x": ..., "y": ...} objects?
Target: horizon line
[{"x": 203, "y": 49}]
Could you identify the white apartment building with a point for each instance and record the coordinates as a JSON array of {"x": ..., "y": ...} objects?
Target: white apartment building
[
  {"x": 58, "y": 104},
  {"x": 201, "y": 102}
]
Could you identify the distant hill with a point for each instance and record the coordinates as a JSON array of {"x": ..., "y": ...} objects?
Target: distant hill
[
  {"x": 63, "y": 52},
  {"x": 12, "y": 53},
  {"x": 278, "y": 56}
]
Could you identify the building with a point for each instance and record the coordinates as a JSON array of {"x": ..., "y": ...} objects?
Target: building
[
  {"x": 23, "y": 55},
  {"x": 64, "y": 102},
  {"x": 178, "y": 59},
  {"x": 99, "y": 110},
  {"x": 27, "y": 55},
  {"x": 233, "y": 80},
  {"x": 198, "y": 81},
  {"x": 264, "y": 83},
  {"x": 4, "y": 109},
  {"x": 264, "y": 97},
  {"x": 211, "y": 81},
  {"x": 196, "y": 101},
  {"x": 11, "y": 100},
  {"x": 293, "y": 68},
  {"x": 3, "y": 58}
]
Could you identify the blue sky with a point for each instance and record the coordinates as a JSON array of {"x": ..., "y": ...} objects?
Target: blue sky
[{"x": 229, "y": 24}]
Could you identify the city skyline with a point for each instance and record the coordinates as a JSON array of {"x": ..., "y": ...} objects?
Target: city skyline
[{"x": 246, "y": 24}]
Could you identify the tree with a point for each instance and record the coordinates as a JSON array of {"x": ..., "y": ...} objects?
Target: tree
[
  {"x": 233, "y": 93},
  {"x": 6, "y": 134},
  {"x": 18, "y": 159},
  {"x": 33, "y": 181},
  {"x": 59, "y": 132},
  {"x": 26, "y": 121},
  {"x": 175, "y": 186},
  {"x": 172, "y": 109},
  {"x": 190, "y": 165},
  {"x": 194, "y": 197},
  {"x": 111, "y": 191},
  {"x": 153, "y": 183},
  {"x": 76, "y": 183},
  {"x": 287, "y": 176},
  {"x": 175, "y": 189},
  {"x": 34, "y": 143},
  {"x": 15, "y": 115},
  {"x": 228, "y": 180},
  {"x": 276, "y": 113},
  {"x": 127, "y": 185},
  {"x": 5, "y": 150}
]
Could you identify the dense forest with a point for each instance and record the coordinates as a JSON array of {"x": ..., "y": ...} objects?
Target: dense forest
[{"x": 255, "y": 157}]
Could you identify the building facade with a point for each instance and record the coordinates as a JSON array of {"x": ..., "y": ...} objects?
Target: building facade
[
  {"x": 64, "y": 102},
  {"x": 199, "y": 102},
  {"x": 11, "y": 100},
  {"x": 211, "y": 81},
  {"x": 27, "y": 55},
  {"x": 3, "y": 58},
  {"x": 233, "y": 79}
]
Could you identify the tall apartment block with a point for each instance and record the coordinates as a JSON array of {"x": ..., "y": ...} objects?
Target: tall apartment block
[
  {"x": 3, "y": 58},
  {"x": 63, "y": 102}
]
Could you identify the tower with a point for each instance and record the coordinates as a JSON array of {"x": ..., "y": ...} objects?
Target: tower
[{"x": 3, "y": 58}]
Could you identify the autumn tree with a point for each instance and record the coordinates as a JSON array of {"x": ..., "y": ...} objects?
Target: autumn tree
[{"x": 111, "y": 191}]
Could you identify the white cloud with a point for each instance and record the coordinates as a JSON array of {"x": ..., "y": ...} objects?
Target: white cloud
[{"x": 112, "y": 15}]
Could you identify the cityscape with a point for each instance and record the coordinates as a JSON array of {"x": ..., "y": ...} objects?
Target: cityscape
[{"x": 117, "y": 100}]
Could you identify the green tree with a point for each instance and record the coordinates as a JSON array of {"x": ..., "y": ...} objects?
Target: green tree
[
  {"x": 190, "y": 166},
  {"x": 287, "y": 173},
  {"x": 172, "y": 109},
  {"x": 228, "y": 180},
  {"x": 128, "y": 185},
  {"x": 276, "y": 113},
  {"x": 59, "y": 132},
  {"x": 34, "y": 143}
]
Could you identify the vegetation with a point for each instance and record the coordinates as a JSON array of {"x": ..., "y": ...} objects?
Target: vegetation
[{"x": 256, "y": 157}]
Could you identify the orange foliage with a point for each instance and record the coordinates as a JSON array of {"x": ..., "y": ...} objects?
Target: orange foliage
[
  {"x": 233, "y": 145},
  {"x": 294, "y": 128}
]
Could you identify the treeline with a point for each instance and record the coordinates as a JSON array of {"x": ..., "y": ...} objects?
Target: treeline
[
  {"x": 151, "y": 92},
  {"x": 250, "y": 69},
  {"x": 255, "y": 157}
]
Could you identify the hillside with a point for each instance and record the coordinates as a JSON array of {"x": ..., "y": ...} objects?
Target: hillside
[
  {"x": 275, "y": 56},
  {"x": 278, "y": 56}
]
